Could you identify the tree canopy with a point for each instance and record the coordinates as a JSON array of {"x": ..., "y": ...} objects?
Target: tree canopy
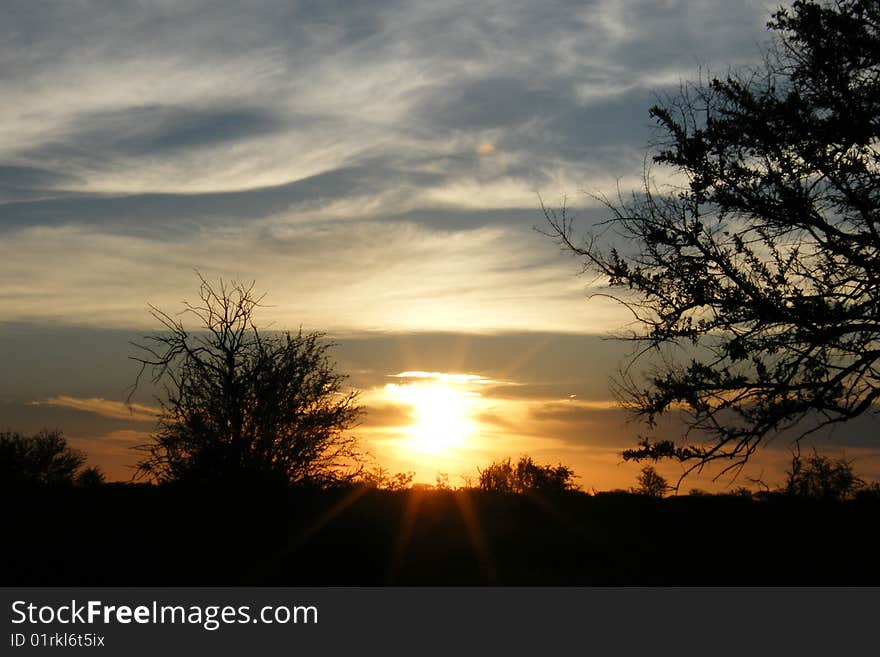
[
  {"x": 242, "y": 404},
  {"x": 526, "y": 476},
  {"x": 755, "y": 283},
  {"x": 651, "y": 483},
  {"x": 44, "y": 458},
  {"x": 820, "y": 477}
]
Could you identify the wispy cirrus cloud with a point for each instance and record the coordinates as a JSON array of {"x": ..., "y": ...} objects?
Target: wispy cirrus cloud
[
  {"x": 396, "y": 277},
  {"x": 203, "y": 128},
  {"x": 190, "y": 99},
  {"x": 103, "y": 407}
]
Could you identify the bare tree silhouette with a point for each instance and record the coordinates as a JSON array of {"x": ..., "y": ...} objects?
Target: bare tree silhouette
[
  {"x": 756, "y": 286},
  {"x": 242, "y": 404}
]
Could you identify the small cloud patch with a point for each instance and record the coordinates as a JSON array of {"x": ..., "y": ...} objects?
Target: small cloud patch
[{"x": 485, "y": 148}]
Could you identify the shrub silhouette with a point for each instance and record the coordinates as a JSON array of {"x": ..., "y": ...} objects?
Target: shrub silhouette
[
  {"x": 44, "y": 458},
  {"x": 381, "y": 479},
  {"x": 90, "y": 477},
  {"x": 820, "y": 477},
  {"x": 651, "y": 483},
  {"x": 245, "y": 406},
  {"x": 526, "y": 475}
]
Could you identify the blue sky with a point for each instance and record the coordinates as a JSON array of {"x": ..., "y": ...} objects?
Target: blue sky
[{"x": 376, "y": 167}]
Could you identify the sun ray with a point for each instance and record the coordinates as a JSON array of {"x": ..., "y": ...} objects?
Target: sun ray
[
  {"x": 404, "y": 534},
  {"x": 477, "y": 537}
]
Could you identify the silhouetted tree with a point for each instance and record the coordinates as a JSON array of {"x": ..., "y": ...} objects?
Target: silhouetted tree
[
  {"x": 765, "y": 265},
  {"x": 820, "y": 477},
  {"x": 526, "y": 475},
  {"x": 44, "y": 458},
  {"x": 244, "y": 405},
  {"x": 651, "y": 483},
  {"x": 90, "y": 477},
  {"x": 381, "y": 479},
  {"x": 497, "y": 477}
]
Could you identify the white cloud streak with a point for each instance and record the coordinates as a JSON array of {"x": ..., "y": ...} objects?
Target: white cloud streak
[
  {"x": 103, "y": 407},
  {"x": 366, "y": 276}
]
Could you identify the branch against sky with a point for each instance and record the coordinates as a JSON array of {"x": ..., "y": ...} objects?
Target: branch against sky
[
  {"x": 243, "y": 404},
  {"x": 756, "y": 284}
]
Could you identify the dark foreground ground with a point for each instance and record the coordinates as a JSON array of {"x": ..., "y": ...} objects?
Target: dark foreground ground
[{"x": 143, "y": 535}]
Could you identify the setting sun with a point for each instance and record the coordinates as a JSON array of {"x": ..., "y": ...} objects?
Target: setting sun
[{"x": 442, "y": 411}]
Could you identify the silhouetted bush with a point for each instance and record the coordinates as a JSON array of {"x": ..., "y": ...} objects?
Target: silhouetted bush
[
  {"x": 651, "y": 483},
  {"x": 526, "y": 475},
  {"x": 820, "y": 477},
  {"x": 243, "y": 406},
  {"x": 381, "y": 479},
  {"x": 44, "y": 458},
  {"x": 90, "y": 477}
]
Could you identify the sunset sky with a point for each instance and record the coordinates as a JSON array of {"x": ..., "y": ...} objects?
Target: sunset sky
[{"x": 377, "y": 168}]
